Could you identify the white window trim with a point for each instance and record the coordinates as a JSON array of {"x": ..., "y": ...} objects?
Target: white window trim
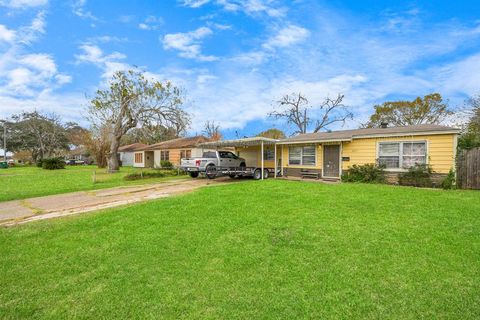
[
  {"x": 401, "y": 142},
  {"x": 301, "y": 156}
]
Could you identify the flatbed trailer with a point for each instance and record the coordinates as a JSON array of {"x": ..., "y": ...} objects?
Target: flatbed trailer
[{"x": 255, "y": 172}]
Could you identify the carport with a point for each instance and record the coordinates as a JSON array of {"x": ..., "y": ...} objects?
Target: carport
[{"x": 254, "y": 142}]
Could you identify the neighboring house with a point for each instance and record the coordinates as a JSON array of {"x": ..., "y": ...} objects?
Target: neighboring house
[
  {"x": 327, "y": 154},
  {"x": 80, "y": 153},
  {"x": 171, "y": 150},
  {"x": 126, "y": 153},
  {"x": 398, "y": 148}
]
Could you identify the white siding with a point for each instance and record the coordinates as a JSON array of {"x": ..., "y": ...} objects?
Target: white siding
[{"x": 126, "y": 158}]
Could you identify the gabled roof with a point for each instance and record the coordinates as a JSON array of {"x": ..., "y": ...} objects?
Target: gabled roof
[
  {"x": 348, "y": 135},
  {"x": 131, "y": 147},
  {"x": 189, "y": 142}
]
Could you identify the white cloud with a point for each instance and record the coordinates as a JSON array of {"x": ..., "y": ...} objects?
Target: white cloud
[
  {"x": 188, "y": 44},
  {"x": 6, "y": 34},
  {"x": 21, "y": 4},
  {"x": 109, "y": 63},
  {"x": 151, "y": 23},
  {"x": 250, "y": 7},
  {"x": 30, "y": 33},
  {"x": 24, "y": 75},
  {"x": 78, "y": 8},
  {"x": 287, "y": 36},
  {"x": 195, "y": 3}
]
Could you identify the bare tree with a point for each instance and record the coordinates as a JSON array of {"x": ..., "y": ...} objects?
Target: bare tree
[
  {"x": 297, "y": 111},
  {"x": 131, "y": 100},
  {"x": 212, "y": 130}
]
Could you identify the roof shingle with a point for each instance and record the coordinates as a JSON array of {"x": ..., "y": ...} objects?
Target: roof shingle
[{"x": 367, "y": 132}]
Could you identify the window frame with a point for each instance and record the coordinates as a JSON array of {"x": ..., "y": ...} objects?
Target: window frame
[
  {"x": 140, "y": 156},
  {"x": 162, "y": 155},
  {"x": 315, "y": 148},
  {"x": 400, "y": 155},
  {"x": 185, "y": 153}
]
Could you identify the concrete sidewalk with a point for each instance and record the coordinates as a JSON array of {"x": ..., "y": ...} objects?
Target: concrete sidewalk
[{"x": 27, "y": 210}]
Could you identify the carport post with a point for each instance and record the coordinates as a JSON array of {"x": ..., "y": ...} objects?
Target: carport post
[
  {"x": 281, "y": 162},
  {"x": 261, "y": 151},
  {"x": 275, "y": 159}
]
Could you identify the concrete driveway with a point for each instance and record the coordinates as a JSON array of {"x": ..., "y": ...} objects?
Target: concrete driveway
[{"x": 33, "y": 209}]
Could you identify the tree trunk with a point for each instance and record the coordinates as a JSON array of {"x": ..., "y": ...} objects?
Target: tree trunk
[{"x": 113, "y": 164}]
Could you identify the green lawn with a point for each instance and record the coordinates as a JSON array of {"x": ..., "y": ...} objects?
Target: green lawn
[
  {"x": 27, "y": 182},
  {"x": 253, "y": 250}
]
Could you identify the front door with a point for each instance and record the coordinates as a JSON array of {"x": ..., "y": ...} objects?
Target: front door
[{"x": 331, "y": 161}]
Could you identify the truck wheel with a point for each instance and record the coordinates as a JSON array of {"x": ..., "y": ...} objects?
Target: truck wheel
[
  {"x": 232, "y": 176},
  {"x": 211, "y": 171},
  {"x": 265, "y": 174},
  {"x": 257, "y": 174},
  {"x": 194, "y": 174}
]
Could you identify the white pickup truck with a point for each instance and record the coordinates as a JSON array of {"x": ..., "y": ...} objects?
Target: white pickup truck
[{"x": 213, "y": 162}]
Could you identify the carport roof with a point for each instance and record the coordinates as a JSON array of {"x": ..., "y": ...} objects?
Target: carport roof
[{"x": 244, "y": 142}]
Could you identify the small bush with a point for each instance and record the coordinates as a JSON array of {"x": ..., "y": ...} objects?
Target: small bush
[
  {"x": 417, "y": 176},
  {"x": 449, "y": 181},
  {"x": 367, "y": 173},
  {"x": 144, "y": 175},
  {"x": 165, "y": 164},
  {"x": 39, "y": 163},
  {"x": 53, "y": 163}
]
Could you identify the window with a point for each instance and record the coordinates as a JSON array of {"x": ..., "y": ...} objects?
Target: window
[
  {"x": 413, "y": 152},
  {"x": 138, "y": 157},
  {"x": 164, "y": 155},
  {"x": 209, "y": 154},
  {"x": 185, "y": 154},
  {"x": 268, "y": 154},
  {"x": 396, "y": 155},
  {"x": 295, "y": 155},
  {"x": 302, "y": 155},
  {"x": 227, "y": 155},
  {"x": 308, "y": 156}
]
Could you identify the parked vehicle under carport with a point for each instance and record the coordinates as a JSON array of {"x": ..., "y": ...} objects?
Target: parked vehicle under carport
[{"x": 225, "y": 163}]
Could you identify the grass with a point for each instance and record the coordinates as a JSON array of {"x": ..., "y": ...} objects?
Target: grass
[
  {"x": 27, "y": 182},
  {"x": 253, "y": 250}
]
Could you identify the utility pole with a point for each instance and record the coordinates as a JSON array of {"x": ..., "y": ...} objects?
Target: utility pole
[{"x": 4, "y": 140}]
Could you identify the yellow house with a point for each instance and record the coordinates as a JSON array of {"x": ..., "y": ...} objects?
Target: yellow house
[{"x": 328, "y": 154}]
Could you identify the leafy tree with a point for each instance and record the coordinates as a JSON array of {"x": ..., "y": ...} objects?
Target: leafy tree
[
  {"x": 212, "y": 130},
  {"x": 75, "y": 133},
  {"x": 97, "y": 143},
  {"x": 296, "y": 110},
  {"x": 471, "y": 137},
  {"x": 149, "y": 135},
  {"x": 39, "y": 134},
  {"x": 431, "y": 109},
  {"x": 272, "y": 134},
  {"x": 132, "y": 101}
]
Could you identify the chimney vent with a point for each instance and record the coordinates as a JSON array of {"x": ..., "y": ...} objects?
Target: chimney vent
[{"x": 384, "y": 125}]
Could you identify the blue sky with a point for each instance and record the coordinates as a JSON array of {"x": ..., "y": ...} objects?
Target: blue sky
[{"x": 235, "y": 58}]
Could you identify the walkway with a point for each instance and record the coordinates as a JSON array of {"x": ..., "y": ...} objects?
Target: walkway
[{"x": 61, "y": 205}]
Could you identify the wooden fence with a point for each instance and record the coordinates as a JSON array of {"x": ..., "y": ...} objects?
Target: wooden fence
[{"x": 468, "y": 169}]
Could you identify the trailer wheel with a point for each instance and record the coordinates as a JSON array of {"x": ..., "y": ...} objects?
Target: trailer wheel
[
  {"x": 257, "y": 174},
  {"x": 194, "y": 174},
  {"x": 211, "y": 171},
  {"x": 265, "y": 174},
  {"x": 232, "y": 176}
]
